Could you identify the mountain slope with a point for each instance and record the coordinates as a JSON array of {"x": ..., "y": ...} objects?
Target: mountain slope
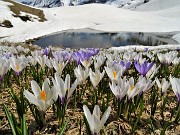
[{"x": 57, "y": 3}]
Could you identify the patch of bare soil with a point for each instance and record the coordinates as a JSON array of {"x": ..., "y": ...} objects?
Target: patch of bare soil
[{"x": 16, "y": 8}]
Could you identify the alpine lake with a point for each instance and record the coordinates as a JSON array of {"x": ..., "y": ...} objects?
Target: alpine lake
[{"x": 88, "y": 38}]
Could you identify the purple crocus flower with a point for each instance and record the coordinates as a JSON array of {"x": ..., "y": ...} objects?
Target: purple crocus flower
[
  {"x": 81, "y": 55},
  {"x": 114, "y": 63},
  {"x": 94, "y": 51},
  {"x": 8, "y": 55},
  {"x": 77, "y": 56},
  {"x": 146, "y": 49},
  {"x": 61, "y": 55},
  {"x": 56, "y": 56},
  {"x": 61, "y": 100},
  {"x": 125, "y": 64},
  {"x": 46, "y": 51},
  {"x": 85, "y": 55},
  {"x": 144, "y": 68},
  {"x": 65, "y": 55},
  {"x": 17, "y": 73}
]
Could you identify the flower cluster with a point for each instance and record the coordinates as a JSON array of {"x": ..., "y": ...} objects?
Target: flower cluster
[{"x": 114, "y": 81}]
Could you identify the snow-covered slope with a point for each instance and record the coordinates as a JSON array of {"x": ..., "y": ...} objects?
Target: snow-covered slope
[
  {"x": 154, "y": 5},
  {"x": 95, "y": 16}
]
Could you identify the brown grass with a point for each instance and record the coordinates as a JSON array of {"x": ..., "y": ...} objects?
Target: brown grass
[{"x": 16, "y": 8}]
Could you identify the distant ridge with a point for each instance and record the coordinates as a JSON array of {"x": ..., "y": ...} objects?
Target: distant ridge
[{"x": 56, "y": 3}]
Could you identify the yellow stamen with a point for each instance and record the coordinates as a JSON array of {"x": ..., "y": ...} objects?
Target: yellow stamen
[
  {"x": 17, "y": 67},
  {"x": 86, "y": 62},
  {"x": 43, "y": 95},
  {"x": 132, "y": 87},
  {"x": 114, "y": 73},
  {"x": 97, "y": 76}
]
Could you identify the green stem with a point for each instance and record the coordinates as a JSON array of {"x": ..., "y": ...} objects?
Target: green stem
[
  {"x": 127, "y": 108},
  {"x": 119, "y": 108}
]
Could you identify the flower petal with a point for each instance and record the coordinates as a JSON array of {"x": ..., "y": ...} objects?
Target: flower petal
[
  {"x": 88, "y": 115},
  {"x": 73, "y": 87},
  {"x": 32, "y": 99},
  {"x": 67, "y": 82},
  {"x": 35, "y": 88},
  {"x": 97, "y": 111},
  {"x": 105, "y": 117},
  {"x": 158, "y": 83}
]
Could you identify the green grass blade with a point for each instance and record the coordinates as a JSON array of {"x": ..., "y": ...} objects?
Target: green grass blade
[
  {"x": 8, "y": 115},
  {"x": 63, "y": 128},
  {"x": 164, "y": 128},
  {"x": 24, "y": 126}
]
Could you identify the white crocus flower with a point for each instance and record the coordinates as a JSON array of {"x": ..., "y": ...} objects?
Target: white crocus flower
[
  {"x": 94, "y": 119},
  {"x": 132, "y": 89},
  {"x": 129, "y": 55},
  {"x": 96, "y": 77},
  {"x": 24, "y": 59},
  {"x": 154, "y": 70},
  {"x": 109, "y": 63},
  {"x": 17, "y": 64},
  {"x": 120, "y": 89},
  {"x": 115, "y": 73},
  {"x": 59, "y": 66},
  {"x": 140, "y": 58},
  {"x": 150, "y": 56},
  {"x": 81, "y": 74},
  {"x": 170, "y": 56},
  {"x": 161, "y": 57},
  {"x": 4, "y": 67},
  {"x": 110, "y": 57},
  {"x": 63, "y": 86},
  {"x": 98, "y": 61},
  {"x": 32, "y": 60},
  {"x": 167, "y": 57},
  {"x": 26, "y": 50},
  {"x": 42, "y": 60},
  {"x": 144, "y": 84},
  {"x": 49, "y": 63},
  {"x": 42, "y": 98},
  {"x": 175, "y": 83},
  {"x": 176, "y": 61},
  {"x": 20, "y": 48},
  {"x": 36, "y": 53},
  {"x": 86, "y": 63},
  {"x": 164, "y": 85}
]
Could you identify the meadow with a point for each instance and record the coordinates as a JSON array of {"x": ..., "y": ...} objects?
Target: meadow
[{"x": 89, "y": 91}]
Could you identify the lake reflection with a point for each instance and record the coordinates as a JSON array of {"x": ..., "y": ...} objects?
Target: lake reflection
[{"x": 98, "y": 39}]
